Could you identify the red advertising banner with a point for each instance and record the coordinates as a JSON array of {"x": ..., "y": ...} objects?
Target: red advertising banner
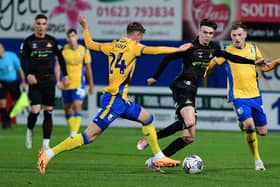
[
  {"x": 195, "y": 10},
  {"x": 261, "y": 17},
  {"x": 258, "y": 10}
]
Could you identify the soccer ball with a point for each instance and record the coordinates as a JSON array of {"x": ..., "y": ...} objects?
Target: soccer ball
[{"x": 192, "y": 164}]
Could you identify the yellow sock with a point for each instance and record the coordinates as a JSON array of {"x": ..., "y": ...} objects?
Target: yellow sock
[
  {"x": 69, "y": 144},
  {"x": 71, "y": 123},
  {"x": 252, "y": 141},
  {"x": 151, "y": 136},
  {"x": 76, "y": 124}
]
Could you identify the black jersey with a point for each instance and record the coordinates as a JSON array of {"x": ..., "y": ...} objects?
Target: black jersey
[
  {"x": 196, "y": 60},
  {"x": 37, "y": 57}
]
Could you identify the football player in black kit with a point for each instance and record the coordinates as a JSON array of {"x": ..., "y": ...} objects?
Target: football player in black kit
[
  {"x": 184, "y": 87},
  {"x": 37, "y": 59}
]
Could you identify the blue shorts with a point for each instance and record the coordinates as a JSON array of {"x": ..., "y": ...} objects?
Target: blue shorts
[
  {"x": 72, "y": 95},
  {"x": 112, "y": 107},
  {"x": 246, "y": 108}
]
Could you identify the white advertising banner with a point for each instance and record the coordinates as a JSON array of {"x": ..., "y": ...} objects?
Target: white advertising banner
[
  {"x": 270, "y": 80},
  {"x": 214, "y": 112},
  {"x": 107, "y": 19}
]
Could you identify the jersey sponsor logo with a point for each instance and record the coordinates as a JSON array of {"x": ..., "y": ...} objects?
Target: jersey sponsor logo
[{"x": 201, "y": 64}]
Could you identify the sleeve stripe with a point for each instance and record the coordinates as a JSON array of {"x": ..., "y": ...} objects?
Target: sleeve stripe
[{"x": 142, "y": 50}]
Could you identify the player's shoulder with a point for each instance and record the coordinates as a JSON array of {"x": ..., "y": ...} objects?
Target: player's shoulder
[
  {"x": 250, "y": 44},
  {"x": 229, "y": 47},
  {"x": 10, "y": 53},
  {"x": 50, "y": 37},
  {"x": 30, "y": 37},
  {"x": 215, "y": 45},
  {"x": 81, "y": 47}
]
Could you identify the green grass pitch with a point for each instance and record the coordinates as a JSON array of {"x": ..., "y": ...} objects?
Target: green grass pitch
[{"x": 113, "y": 161}]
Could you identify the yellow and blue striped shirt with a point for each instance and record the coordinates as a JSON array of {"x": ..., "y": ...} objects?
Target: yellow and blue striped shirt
[
  {"x": 242, "y": 78},
  {"x": 74, "y": 60},
  {"x": 122, "y": 56}
]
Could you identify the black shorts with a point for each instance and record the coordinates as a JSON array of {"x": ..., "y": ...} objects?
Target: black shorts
[
  {"x": 12, "y": 87},
  {"x": 183, "y": 93},
  {"x": 42, "y": 94}
]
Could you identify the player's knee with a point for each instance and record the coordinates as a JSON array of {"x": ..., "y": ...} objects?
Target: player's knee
[
  {"x": 249, "y": 127},
  {"x": 188, "y": 139},
  {"x": 262, "y": 132},
  {"x": 77, "y": 108},
  {"x": 149, "y": 120},
  {"x": 189, "y": 124},
  {"x": 48, "y": 114}
]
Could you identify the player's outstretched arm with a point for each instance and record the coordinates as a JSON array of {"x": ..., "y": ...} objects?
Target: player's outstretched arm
[
  {"x": 233, "y": 58},
  {"x": 267, "y": 66},
  {"x": 83, "y": 21},
  {"x": 157, "y": 50},
  {"x": 87, "y": 36}
]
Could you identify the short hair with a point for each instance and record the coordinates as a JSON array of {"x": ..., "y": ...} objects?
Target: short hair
[
  {"x": 208, "y": 23},
  {"x": 238, "y": 25},
  {"x": 135, "y": 26},
  {"x": 41, "y": 16},
  {"x": 70, "y": 31}
]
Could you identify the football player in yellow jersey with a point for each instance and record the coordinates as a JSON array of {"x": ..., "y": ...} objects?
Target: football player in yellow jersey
[
  {"x": 122, "y": 56},
  {"x": 78, "y": 62},
  {"x": 243, "y": 89}
]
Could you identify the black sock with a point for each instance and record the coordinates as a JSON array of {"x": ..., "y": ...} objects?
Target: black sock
[
  {"x": 5, "y": 118},
  {"x": 31, "y": 120},
  {"x": 170, "y": 129},
  {"x": 47, "y": 124},
  {"x": 175, "y": 146}
]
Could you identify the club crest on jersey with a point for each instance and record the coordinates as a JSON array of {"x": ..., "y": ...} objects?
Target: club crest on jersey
[
  {"x": 49, "y": 44},
  {"x": 240, "y": 110}
]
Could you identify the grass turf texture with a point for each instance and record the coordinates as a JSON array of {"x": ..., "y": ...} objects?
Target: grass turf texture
[{"x": 114, "y": 161}]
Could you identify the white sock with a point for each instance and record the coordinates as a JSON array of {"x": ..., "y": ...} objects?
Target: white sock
[
  {"x": 258, "y": 161},
  {"x": 29, "y": 132},
  {"x": 46, "y": 143},
  {"x": 50, "y": 154},
  {"x": 159, "y": 155}
]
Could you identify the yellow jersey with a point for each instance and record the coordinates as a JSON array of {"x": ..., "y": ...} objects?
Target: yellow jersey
[
  {"x": 74, "y": 60},
  {"x": 242, "y": 79},
  {"x": 122, "y": 56}
]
